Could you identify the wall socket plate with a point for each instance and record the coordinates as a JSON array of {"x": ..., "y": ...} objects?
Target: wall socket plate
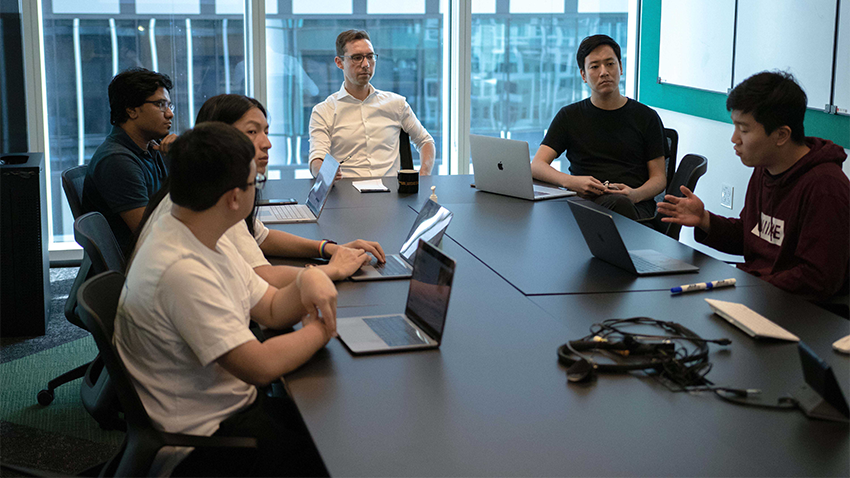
[{"x": 726, "y": 193}]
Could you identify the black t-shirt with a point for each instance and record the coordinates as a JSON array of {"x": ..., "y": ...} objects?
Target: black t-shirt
[{"x": 610, "y": 145}]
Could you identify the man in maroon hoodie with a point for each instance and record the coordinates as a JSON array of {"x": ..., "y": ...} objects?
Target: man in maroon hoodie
[{"x": 794, "y": 227}]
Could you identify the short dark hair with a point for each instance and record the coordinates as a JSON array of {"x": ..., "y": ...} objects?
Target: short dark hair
[
  {"x": 347, "y": 37},
  {"x": 593, "y": 42},
  {"x": 208, "y": 161},
  {"x": 130, "y": 89},
  {"x": 775, "y": 99},
  {"x": 227, "y": 108}
]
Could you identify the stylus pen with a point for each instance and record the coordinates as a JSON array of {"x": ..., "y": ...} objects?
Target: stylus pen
[{"x": 702, "y": 286}]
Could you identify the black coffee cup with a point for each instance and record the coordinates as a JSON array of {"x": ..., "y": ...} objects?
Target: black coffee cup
[{"x": 408, "y": 181}]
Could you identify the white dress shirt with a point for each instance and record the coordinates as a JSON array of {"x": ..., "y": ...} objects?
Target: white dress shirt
[{"x": 363, "y": 135}]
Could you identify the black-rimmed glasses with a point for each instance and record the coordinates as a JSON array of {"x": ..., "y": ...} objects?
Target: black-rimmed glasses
[
  {"x": 162, "y": 105},
  {"x": 357, "y": 59}
]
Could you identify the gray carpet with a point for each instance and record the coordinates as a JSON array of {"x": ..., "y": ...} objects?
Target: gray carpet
[{"x": 60, "y": 438}]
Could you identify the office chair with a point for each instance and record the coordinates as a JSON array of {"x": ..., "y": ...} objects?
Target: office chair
[
  {"x": 672, "y": 145},
  {"x": 98, "y": 299},
  {"x": 72, "y": 183},
  {"x": 404, "y": 150},
  {"x": 692, "y": 167}
]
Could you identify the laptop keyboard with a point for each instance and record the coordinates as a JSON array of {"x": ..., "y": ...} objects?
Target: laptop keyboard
[
  {"x": 392, "y": 267},
  {"x": 643, "y": 265},
  {"x": 293, "y": 211},
  {"x": 394, "y": 330}
]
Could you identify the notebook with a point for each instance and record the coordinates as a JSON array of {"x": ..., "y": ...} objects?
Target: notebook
[
  {"x": 424, "y": 319},
  {"x": 316, "y": 199},
  {"x": 503, "y": 166},
  {"x": 601, "y": 235},
  {"x": 430, "y": 225},
  {"x": 748, "y": 320}
]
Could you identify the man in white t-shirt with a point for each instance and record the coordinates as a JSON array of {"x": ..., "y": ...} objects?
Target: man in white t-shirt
[
  {"x": 359, "y": 125},
  {"x": 183, "y": 317}
]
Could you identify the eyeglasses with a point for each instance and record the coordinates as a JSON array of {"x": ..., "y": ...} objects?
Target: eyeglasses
[
  {"x": 357, "y": 59},
  {"x": 162, "y": 105},
  {"x": 259, "y": 182}
]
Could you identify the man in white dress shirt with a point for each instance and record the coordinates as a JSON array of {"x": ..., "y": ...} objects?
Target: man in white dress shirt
[{"x": 359, "y": 125}]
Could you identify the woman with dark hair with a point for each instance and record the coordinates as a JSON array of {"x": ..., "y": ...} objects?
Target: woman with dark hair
[{"x": 252, "y": 238}]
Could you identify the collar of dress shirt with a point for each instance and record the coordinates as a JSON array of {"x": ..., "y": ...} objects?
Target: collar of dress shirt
[{"x": 343, "y": 92}]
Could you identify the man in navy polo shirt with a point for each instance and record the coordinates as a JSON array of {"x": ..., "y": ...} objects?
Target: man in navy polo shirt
[{"x": 128, "y": 168}]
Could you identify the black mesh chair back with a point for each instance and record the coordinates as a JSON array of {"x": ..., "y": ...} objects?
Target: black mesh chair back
[
  {"x": 404, "y": 150},
  {"x": 671, "y": 138},
  {"x": 98, "y": 298},
  {"x": 72, "y": 183},
  {"x": 690, "y": 169},
  {"x": 92, "y": 231}
]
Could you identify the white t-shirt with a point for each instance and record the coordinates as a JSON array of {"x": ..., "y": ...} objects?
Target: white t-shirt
[
  {"x": 182, "y": 307},
  {"x": 248, "y": 246}
]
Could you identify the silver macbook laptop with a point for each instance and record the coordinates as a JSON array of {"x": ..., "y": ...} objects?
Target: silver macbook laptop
[
  {"x": 503, "y": 166},
  {"x": 421, "y": 326},
  {"x": 601, "y": 235},
  {"x": 430, "y": 225},
  {"x": 316, "y": 199}
]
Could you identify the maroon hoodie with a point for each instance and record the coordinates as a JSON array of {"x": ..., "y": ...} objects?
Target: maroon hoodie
[{"x": 794, "y": 230}]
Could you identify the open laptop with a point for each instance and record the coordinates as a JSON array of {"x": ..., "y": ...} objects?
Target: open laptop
[
  {"x": 316, "y": 199},
  {"x": 421, "y": 325},
  {"x": 503, "y": 166},
  {"x": 429, "y": 226},
  {"x": 601, "y": 235}
]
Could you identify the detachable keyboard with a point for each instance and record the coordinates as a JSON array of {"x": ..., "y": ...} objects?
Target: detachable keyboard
[
  {"x": 393, "y": 267},
  {"x": 746, "y": 319},
  {"x": 292, "y": 211},
  {"x": 644, "y": 266}
]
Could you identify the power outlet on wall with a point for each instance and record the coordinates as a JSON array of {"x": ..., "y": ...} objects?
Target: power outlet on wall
[{"x": 726, "y": 192}]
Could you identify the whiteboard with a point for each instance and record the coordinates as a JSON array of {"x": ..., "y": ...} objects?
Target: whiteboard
[
  {"x": 696, "y": 47},
  {"x": 842, "y": 71},
  {"x": 791, "y": 35}
]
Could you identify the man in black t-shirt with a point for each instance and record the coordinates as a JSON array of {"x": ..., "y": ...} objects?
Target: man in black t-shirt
[{"x": 615, "y": 144}]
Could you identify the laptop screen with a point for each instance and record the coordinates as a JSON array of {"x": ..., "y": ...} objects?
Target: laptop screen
[
  {"x": 429, "y": 226},
  {"x": 322, "y": 185},
  {"x": 430, "y": 286}
]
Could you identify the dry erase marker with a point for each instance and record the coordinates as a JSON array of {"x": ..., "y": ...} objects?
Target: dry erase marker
[{"x": 702, "y": 286}]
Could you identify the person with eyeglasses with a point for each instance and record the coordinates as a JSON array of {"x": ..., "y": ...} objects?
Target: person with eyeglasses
[
  {"x": 128, "y": 167},
  {"x": 182, "y": 322},
  {"x": 252, "y": 238},
  {"x": 359, "y": 125}
]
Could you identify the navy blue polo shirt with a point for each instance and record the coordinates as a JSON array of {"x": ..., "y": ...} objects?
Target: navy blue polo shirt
[{"x": 120, "y": 177}]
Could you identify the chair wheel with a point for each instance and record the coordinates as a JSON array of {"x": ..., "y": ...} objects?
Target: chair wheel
[{"x": 45, "y": 397}]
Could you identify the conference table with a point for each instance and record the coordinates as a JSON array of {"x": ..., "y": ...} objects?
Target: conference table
[{"x": 493, "y": 399}]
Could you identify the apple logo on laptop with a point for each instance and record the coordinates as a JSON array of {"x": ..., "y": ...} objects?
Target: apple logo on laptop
[{"x": 501, "y": 168}]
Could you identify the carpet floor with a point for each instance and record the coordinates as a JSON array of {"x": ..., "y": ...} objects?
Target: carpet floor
[{"x": 61, "y": 438}]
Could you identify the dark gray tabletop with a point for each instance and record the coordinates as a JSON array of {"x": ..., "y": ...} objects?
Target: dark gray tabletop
[
  {"x": 493, "y": 400},
  {"x": 538, "y": 247}
]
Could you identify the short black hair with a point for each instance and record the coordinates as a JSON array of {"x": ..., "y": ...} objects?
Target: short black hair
[
  {"x": 775, "y": 99},
  {"x": 347, "y": 37},
  {"x": 130, "y": 89},
  {"x": 593, "y": 42},
  {"x": 227, "y": 108},
  {"x": 208, "y": 161}
]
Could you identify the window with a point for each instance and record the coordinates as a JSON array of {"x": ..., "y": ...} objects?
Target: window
[
  {"x": 523, "y": 63},
  {"x": 87, "y": 43},
  {"x": 300, "y": 69},
  {"x": 522, "y": 66}
]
